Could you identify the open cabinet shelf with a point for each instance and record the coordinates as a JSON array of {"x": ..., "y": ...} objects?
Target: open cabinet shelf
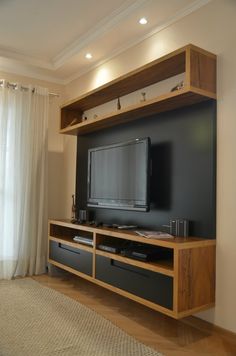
[
  {"x": 178, "y": 285},
  {"x": 198, "y": 65},
  {"x": 164, "y": 266}
]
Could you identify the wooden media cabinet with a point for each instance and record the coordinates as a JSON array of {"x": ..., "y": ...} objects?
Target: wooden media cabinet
[
  {"x": 184, "y": 282},
  {"x": 179, "y": 285}
]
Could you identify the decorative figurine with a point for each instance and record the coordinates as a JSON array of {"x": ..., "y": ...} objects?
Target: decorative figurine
[
  {"x": 74, "y": 121},
  {"x": 118, "y": 104},
  {"x": 143, "y": 96},
  {"x": 84, "y": 118},
  {"x": 178, "y": 86}
]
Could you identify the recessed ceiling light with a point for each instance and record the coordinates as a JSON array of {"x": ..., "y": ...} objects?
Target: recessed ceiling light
[
  {"x": 88, "y": 56},
  {"x": 143, "y": 21}
]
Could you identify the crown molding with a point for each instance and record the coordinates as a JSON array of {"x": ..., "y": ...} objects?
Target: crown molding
[
  {"x": 19, "y": 61},
  {"x": 74, "y": 48},
  {"x": 30, "y": 73},
  {"x": 97, "y": 31},
  {"x": 33, "y": 61},
  {"x": 178, "y": 16}
]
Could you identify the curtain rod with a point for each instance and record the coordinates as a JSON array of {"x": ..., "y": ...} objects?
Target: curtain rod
[{"x": 14, "y": 85}]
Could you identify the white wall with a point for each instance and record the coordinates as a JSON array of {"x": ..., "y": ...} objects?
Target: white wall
[{"x": 212, "y": 27}]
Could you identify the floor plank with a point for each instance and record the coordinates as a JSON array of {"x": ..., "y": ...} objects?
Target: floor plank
[{"x": 189, "y": 336}]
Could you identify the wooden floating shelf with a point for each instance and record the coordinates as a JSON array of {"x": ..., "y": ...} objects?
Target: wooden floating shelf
[
  {"x": 151, "y": 73},
  {"x": 174, "y": 100},
  {"x": 198, "y": 66}
]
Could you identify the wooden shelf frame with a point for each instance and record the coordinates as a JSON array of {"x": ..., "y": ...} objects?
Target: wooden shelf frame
[
  {"x": 192, "y": 267},
  {"x": 164, "y": 267},
  {"x": 69, "y": 242},
  {"x": 198, "y": 65}
]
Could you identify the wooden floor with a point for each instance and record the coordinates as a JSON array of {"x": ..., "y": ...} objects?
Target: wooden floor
[{"x": 190, "y": 336}]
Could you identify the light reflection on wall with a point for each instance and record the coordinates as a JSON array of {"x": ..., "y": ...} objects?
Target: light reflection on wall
[
  {"x": 156, "y": 50},
  {"x": 102, "y": 76}
]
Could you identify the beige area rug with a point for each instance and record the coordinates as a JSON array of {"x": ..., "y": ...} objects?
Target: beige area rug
[{"x": 36, "y": 320}]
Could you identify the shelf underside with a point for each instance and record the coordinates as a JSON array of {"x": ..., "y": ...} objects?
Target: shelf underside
[{"x": 163, "y": 103}]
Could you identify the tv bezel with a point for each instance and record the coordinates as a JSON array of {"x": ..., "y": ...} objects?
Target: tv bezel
[{"x": 92, "y": 203}]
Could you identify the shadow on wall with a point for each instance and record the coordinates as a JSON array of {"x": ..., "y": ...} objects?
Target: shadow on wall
[
  {"x": 56, "y": 184},
  {"x": 161, "y": 173}
]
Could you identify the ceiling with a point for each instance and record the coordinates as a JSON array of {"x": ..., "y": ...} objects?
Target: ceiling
[{"x": 48, "y": 39}]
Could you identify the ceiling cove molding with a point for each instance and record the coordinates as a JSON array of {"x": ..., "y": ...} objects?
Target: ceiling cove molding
[
  {"x": 16, "y": 69},
  {"x": 15, "y": 55},
  {"x": 97, "y": 31},
  {"x": 178, "y": 16}
]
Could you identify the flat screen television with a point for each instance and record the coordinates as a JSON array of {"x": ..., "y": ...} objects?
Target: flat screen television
[{"x": 118, "y": 176}]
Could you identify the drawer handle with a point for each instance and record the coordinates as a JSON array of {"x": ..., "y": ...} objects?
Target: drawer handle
[
  {"x": 116, "y": 264},
  {"x": 67, "y": 248}
]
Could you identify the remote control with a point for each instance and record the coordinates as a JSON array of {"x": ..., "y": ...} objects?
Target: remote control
[{"x": 127, "y": 227}]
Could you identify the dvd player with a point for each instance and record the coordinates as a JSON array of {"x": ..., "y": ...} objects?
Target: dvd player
[
  {"x": 109, "y": 248},
  {"x": 145, "y": 253},
  {"x": 83, "y": 240}
]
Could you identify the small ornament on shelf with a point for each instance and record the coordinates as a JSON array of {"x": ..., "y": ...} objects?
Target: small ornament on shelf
[
  {"x": 118, "y": 104},
  {"x": 143, "y": 97},
  {"x": 84, "y": 118},
  {"x": 74, "y": 121},
  {"x": 179, "y": 86},
  {"x": 95, "y": 116}
]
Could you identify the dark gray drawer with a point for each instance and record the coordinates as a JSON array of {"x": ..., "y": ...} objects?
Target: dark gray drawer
[
  {"x": 75, "y": 258},
  {"x": 149, "y": 285}
]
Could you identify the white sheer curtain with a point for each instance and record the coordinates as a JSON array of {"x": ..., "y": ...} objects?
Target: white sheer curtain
[{"x": 23, "y": 181}]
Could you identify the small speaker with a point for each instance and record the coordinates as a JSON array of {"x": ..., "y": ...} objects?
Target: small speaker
[
  {"x": 173, "y": 227},
  {"x": 83, "y": 215},
  {"x": 179, "y": 227},
  {"x": 183, "y": 227}
]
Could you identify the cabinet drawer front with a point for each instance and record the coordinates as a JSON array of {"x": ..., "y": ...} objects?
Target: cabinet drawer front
[
  {"x": 75, "y": 258},
  {"x": 149, "y": 285}
]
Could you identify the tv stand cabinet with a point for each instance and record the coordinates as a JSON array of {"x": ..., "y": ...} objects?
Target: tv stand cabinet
[
  {"x": 179, "y": 285},
  {"x": 183, "y": 283}
]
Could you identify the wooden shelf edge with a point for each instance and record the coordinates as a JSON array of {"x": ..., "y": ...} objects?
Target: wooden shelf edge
[
  {"x": 183, "y": 314},
  {"x": 157, "y": 307},
  {"x": 174, "y": 100},
  {"x": 69, "y": 224},
  {"x": 200, "y": 50},
  {"x": 71, "y": 243},
  {"x": 135, "y": 71},
  {"x": 123, "y": 293},
  {"x": 71, "y": 270},
  {"x": 205, "y": 93},
  {"x": 135, "y": 298},
  {"x": 177, "y": 243},
  {"x": 167, "y": 271},
  {"x": 125, "y": 76}
]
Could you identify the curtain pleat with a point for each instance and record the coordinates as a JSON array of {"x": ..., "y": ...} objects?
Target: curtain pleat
[{"x": 23, "y": 181}]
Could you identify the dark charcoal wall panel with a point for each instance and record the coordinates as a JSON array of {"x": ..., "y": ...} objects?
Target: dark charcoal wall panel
[{"x": 183, "y": 150}]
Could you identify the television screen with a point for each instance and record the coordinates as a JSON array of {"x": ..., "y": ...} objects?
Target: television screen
[{"x": 118, "y": 176}]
